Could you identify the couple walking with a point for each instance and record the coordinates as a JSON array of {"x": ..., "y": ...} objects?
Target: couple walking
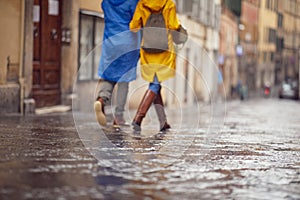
[{"x": 121, "y": 52}]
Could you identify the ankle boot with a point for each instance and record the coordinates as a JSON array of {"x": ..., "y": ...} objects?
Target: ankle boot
[
  {"x": 99, "y": 111},
  {"x": 160, "y": 111},
  {"x": 142, "y": 109}
]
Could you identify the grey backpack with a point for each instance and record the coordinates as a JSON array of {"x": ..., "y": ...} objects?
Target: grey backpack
[{"x": 155, "y": 34}]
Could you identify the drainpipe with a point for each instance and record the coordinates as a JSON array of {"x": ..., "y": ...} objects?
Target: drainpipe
[{"x": 21, "y": 65}]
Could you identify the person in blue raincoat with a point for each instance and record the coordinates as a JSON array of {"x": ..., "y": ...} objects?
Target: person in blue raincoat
[{"x": 119, "y": 57}]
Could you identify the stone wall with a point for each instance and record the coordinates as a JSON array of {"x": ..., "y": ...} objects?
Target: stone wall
[{"x": 10, "y": 98}]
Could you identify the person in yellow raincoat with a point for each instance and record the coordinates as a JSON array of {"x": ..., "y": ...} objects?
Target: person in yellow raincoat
[{"x": 155, "y": 67}]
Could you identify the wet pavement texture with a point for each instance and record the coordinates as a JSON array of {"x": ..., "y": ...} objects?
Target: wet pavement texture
[{"x": 255, "y": 155}]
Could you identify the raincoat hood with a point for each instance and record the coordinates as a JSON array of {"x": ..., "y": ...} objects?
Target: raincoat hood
[
  {"x": 154, "y": 5},
  {"x": 116, "y": 2}
]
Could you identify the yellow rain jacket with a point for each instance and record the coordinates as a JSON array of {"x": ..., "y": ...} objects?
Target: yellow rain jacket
[{"x": 162, "y": 64}]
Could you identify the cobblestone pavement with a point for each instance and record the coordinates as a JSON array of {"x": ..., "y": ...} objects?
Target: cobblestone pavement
[{"x": 254, "y": 155}]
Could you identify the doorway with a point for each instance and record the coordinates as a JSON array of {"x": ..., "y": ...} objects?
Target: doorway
[{"x": 46, "y": 52}]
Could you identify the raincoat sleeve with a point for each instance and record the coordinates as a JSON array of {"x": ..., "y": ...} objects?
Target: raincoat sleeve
[
  {"x": 136, "y": 22},
  {"x": 172, "y": 22}
]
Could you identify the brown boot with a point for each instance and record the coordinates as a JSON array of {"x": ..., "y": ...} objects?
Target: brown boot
[
  {"x": 99, "y": 111},
  {"x": 142, "y": 110},
  {"x": 160, "y": 111}
]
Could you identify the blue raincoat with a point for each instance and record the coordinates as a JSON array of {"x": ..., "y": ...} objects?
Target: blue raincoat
[{"x": 120, "y": 47}]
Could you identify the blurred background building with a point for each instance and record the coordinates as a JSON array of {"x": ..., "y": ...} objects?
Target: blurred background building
[
  {"x": 41, "y": 47},
  {"x": 267, "y": 33},
  {"x": 202, "y": 20},
  {"x": 44, "y": 43},
  {"x": 248, "y": 39},
  {"x": 290, "y": 12},
  {"x": 228, "y": 62}
]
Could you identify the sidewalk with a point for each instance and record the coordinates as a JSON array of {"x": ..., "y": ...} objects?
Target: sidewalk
[{"x": 255, "y": 155}]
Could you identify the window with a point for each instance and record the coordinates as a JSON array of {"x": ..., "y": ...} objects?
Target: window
[
  {"x": 204, "y": 12},
  {"x": 268, "y": 4},
  {"x": 90, "y": 36},
  {"x": 188, "y": 7},
  {"x": 279, "y": 44},
  {"x": 280, "y": 20},
  {"x": 275, "y": 5},
  {"x": 217, "y": 16},
  {"x": 272, "y": 5},
  {"x": 235, "y": 6},
  {"x": 265, "y": 56},
  {"x": 272, "y": 36},
  {"x": 271, "y": 56},
  {"x": 195, "y": 9},
  {"x": 211, "y": 13}
]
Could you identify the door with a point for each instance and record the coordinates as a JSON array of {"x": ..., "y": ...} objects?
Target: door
[{"x": 47, "y": 52}]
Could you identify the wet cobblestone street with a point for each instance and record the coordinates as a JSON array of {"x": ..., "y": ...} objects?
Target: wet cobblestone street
[{"x": 255, "y": 155}]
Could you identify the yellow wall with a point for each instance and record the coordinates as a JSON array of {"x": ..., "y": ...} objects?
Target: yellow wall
[
  {"x": 267, "y": 19},
  {"x": 289, "y": 23},
  {"x": 92, "y": 5},
  {"x": 10, "y": 23}
]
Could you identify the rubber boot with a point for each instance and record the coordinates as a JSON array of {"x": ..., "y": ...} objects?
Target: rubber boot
[
  {"x": 143, "y": 109},
  {"x": 160, "y": 111},
  {"x": 99, "y": 111}
]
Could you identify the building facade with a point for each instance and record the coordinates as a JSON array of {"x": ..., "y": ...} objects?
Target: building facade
[
  {"x": 290, "y": 12},
  {"x": 196, "y": 62},
  {"x": 279, "y": 41},
  {"x": 228, "y": 60},
  {"x": 279, "y": 60},
  {"x": 267, "y": 37},
  {"x": 248, "y": 38},
  {"x": 42, "y": 51},
  {"x": 11, "y": 54}
]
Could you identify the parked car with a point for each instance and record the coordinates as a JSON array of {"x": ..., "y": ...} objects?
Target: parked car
[{"x": 289, "y": 90}]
